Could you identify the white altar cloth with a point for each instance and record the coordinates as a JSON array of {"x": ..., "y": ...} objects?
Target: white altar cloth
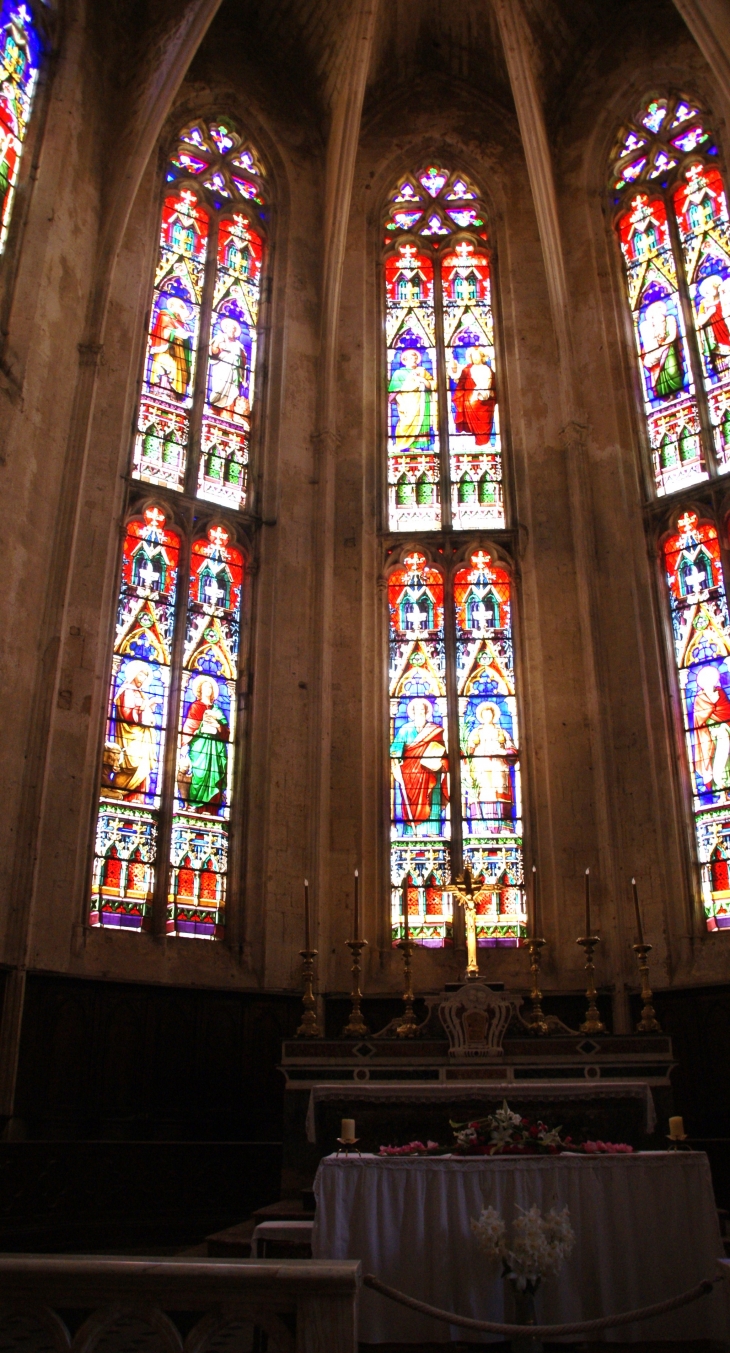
[{"x": 646, "y": 1230}]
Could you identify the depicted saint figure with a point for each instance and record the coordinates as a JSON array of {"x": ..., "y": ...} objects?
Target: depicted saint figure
[
  {"x": 227, "y": 370},
  {"x": 711, "y": 716},
  {"x": 132, "y": 757},
  {"x": 491, "y": 751},
  {"x": 410, "y": 387},
  {"x": 6, "y": 150},
  {"x": 171, "y": 347},
  {"x": 661, "y": 350},
  {"x": 420, "y": 768},
  {"x": 712, "y": 323},
  {"x": 203, "y": 753},
  {"x": 474, "y": 399}
]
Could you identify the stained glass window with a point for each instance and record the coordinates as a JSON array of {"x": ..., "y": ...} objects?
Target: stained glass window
[
  {"x": 137, "y": 718},
  {"x": 444, "y": 448},
  {"x": 491, "y": 800},
  {"x": 701, "y": 628},
  {"x": 19, "y": 56},
  {"x": 193, "y": 432},
  {"x": 675, "y": 239},
  {"x": 206, "y": 738},
  {"x": 424, "y": 781},
  {"x": 162, "y": 840},
  {"x": 419, "y": 784}
]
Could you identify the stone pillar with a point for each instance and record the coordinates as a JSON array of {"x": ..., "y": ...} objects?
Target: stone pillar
[
  {"x": 709, "y": 23},
  {"x": 341, "y": 154},
  {"x": 518, "y": 50}
]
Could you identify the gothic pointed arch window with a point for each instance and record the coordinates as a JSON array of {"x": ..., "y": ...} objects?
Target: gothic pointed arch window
[
  {"x": 455, "y": 792},
  {"x": 695, "y": 577},
  {"x": 20, "y": 50},
  {"x": 170, "y": 750},
  {"x": 674, "y": 232}
]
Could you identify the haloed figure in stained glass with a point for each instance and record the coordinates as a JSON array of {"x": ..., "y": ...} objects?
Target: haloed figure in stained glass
[
  {"x": 171, "y": 347},
  {"x": 420, "y": 769},
  {"x": 712, "y": 322},
  {"x": 474, "y": 399},
  {"x": 661, "y": 350},
  {"x": 203, "y": 766},
  {"x": 410, "y": 388},
  {"x": 489, "y": 795},
  {"x": 132, "y": 757},
  {"x": 227, "y": 371},
  {"x": 711, "y": 717}
]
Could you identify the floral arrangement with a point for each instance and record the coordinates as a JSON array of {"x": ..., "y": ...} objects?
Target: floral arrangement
[
  {"x": 505, "y": 1133},
  {"x": 538, "y": 1247},
  {"x": 411, "y": 1149}
]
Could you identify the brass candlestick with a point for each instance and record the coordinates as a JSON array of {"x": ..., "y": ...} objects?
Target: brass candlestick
[
  {"x": 537, "y": 1022},
  {"x": 309, "y": 1027},
  {"x": 648, "y": 1024},
  {"x": 592, "y": 1023},
  {"x": 408, "y": 1026},
  {"x": 356, "y": 1026}
]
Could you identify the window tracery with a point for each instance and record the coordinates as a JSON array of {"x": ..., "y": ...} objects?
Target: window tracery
[
  {"x": 444, "y": 446},
  {"x": 167, "y": 783},
  {"x": 455, "y": 797},
  {"x": 675, "y": 239}
]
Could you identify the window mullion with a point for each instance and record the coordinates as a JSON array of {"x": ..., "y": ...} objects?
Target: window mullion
[
  {"x": 443, "y": 415},
  {"x": 164, "y": 820},
  {"x": 452, "y": 706},
  {"x": 692, "y": 347},
  {"x": 201, "y": 365}
]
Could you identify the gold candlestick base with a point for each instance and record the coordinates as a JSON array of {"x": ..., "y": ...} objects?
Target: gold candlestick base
[
  {"x": 407, "y": 1027},
  {"x": 536, "y": 1019},
  {"x": 356, "y": 1026},
  {"x": 648, "y": 1024},
  {"x": 309, "y": 1027},
  {"x": 592, "y": 1023}
]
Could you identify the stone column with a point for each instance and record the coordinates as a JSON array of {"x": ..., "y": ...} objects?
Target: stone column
[
  {"x": 341, "y": 155},
  {"x": 709, "y": 23},
  {"x": 518, "y": 50}
]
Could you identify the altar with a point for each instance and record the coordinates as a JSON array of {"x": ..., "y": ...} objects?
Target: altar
[
  {"x": 646, "y": 1229},
  {"x": 473, "y": 1049}
]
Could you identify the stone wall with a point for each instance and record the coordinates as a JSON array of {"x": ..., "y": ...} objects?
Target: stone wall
[{"x": 603, "y": 779}]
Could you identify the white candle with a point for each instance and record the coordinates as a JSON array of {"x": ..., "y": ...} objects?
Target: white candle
[
  {"x": 347, "y": 1130},
  {"x": 676, "y": 1128}
]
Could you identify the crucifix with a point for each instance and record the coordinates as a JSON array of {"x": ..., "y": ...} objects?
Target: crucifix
[
  {"x": 214, "y": 593},
  {"x": 463, "y": 887},
  {"x": 148, "y": 575}
]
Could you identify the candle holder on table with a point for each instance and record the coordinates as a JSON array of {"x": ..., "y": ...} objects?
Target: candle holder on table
[
  {"x": 536, "y": 1019},
  {"x": 648, "y": 1024},
  {"x": 592, "y": 1024},
  {"x": 346, "y": 1145},
  {"x": 356, "y": 1026},
  {"x": 407, "y": 1027},
  {"x": 309, "y": 1027}
]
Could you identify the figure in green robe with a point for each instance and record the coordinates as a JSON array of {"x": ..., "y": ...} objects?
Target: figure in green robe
[
  {"x": 204, "y": 737},
  {"x": 662, "y": 351},
  {"x": 410, "y": 387}
]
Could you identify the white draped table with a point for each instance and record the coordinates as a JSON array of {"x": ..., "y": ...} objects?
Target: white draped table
[{"x": 646, "y": 1229}]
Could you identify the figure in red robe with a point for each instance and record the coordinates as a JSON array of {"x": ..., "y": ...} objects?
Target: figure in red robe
[
  {"x": 474, "y": 398},
  {"x": 420, "y": 769},
  {"x": 712, "y": 323},
  {"x": 711, "y": 714}
]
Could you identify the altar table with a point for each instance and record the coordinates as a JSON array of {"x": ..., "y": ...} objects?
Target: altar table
[{"x": 646, "y": 1230}]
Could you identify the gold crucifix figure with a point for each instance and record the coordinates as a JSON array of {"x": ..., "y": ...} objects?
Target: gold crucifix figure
[{"x": 463, "y": 887}]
